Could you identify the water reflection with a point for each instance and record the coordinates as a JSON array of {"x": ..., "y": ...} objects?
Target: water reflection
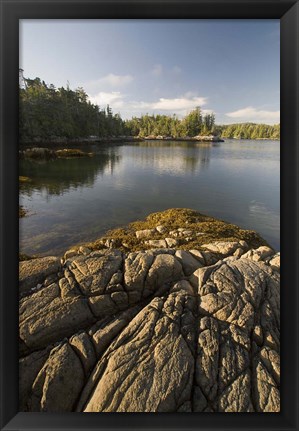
[
  {"x": 176, "y": 158},
  {"x": 57, "y": 176},
  {"x": 72, "y": 201}
]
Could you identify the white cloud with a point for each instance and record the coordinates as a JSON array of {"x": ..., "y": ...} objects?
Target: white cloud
[
  {"x": 255, "y": 115},
  {"x": 178, "y": 104},
  {"x": 111, "y": 80},
  {"x": 116, "y": 80},
  {"x": 157, "y": 70},
  {"x": 208, "y": 111},
  {"x": 115, "y": 99},
  {"x": 176, "y": 70}
]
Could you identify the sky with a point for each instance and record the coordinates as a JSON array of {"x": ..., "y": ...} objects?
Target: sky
[{"x": 229, "y": 67}]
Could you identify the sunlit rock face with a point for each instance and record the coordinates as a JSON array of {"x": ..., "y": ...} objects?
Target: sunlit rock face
[{"x": 155, "y": 330}]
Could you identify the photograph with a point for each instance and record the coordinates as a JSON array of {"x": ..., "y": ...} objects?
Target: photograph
[{"x": 149, "y": 215}]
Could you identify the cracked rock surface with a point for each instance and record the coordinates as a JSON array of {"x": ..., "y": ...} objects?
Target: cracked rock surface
[{"x": 160, "y": 330}]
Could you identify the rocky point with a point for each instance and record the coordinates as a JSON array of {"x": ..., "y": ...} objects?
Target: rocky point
[{"x": 179, "y": 313}]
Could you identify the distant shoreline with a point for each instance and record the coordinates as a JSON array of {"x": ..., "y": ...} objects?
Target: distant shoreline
[
  {"x": 129, "y": 139},
  {"x": 91, "y": 140}
]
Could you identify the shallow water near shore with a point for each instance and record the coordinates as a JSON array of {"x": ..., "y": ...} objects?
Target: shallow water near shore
[{"x": 72, "y": 201}]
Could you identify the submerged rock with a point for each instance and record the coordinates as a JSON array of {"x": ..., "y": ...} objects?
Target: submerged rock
[{"x": 161, "y": 330}]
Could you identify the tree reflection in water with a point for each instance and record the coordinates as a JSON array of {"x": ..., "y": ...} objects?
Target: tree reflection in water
[
  {"x": 178, "y": 157},
  {"x": 55, "y": 177}
]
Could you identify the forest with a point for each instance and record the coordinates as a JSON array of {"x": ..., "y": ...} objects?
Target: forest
[
  {"x": 47, "y": 113},
  {"x": 250, "y": 131}
]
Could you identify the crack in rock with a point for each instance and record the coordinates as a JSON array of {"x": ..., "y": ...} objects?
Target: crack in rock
[{"x": 152, "y": 331}]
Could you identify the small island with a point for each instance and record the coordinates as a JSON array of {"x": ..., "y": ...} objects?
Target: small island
[{"x": 48, "y": 153}]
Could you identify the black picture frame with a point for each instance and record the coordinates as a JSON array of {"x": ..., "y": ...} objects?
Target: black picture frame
[{"x": 288, "y": 13}]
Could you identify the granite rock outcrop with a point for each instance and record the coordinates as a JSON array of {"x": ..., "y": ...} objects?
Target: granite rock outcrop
[{"x": 154, "y": 330}]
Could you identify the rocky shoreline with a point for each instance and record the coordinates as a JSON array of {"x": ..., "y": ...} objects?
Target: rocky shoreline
[
  {"x": 198, "y": 138},
  {"x": 161, "y": 316},
  {"x": 121, "y": 139}
]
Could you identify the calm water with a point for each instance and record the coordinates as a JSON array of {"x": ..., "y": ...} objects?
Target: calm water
[{"x": 72, "y": 201}]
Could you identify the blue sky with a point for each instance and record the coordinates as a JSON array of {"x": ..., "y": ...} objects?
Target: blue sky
[{"x": 230, "y": 67}]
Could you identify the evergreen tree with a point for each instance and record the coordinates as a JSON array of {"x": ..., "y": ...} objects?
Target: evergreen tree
[{"x": 47, "y": 112}]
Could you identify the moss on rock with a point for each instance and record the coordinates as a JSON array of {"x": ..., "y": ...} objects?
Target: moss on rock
[
  {"x": 69, "y": 152},
  {"x": 23, "y": 179},
  {"x": 204, "y": 230},
  {"x": 22, "y": 211},
  {"x": 23, "y": 256}
]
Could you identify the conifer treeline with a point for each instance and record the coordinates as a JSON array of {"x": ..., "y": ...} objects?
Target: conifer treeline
[
  {"x": 250, "y": 131},
  {"x": 47, "y": 113},
  {"x": 193, "y": 124}
]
